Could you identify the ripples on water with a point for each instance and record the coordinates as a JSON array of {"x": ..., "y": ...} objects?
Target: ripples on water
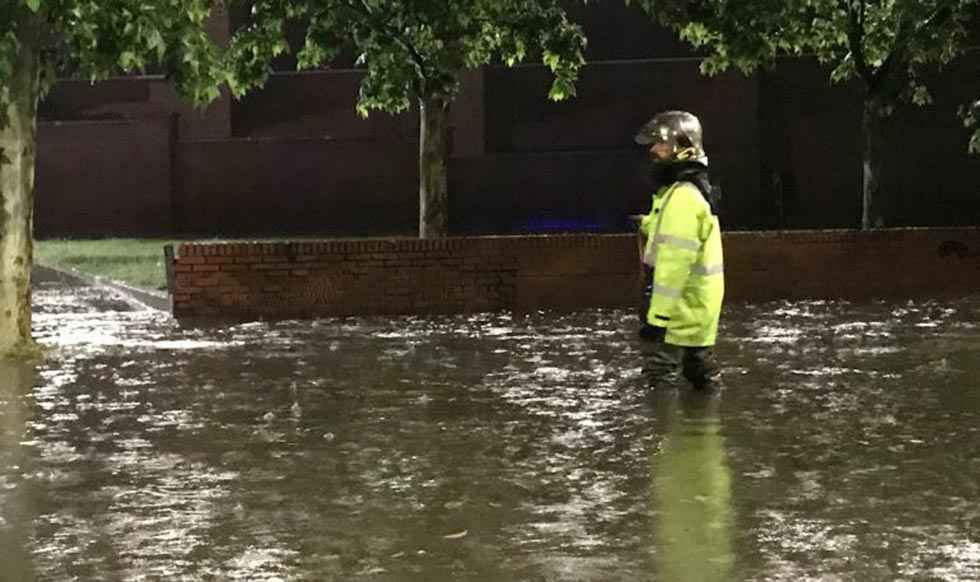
[{"x": 491, "y": 447}]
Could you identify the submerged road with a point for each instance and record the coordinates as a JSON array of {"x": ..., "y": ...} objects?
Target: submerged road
[{"x": 490, "y": 447}]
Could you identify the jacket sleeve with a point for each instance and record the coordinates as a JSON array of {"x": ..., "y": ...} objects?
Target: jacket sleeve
[
  {"x": 678, "y": 244},
  {"x": 649, "y": 219},
  {"x": 646, "y": 224}
]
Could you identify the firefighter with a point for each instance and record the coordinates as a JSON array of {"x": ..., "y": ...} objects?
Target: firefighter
[{"x": 683, "y": 252}]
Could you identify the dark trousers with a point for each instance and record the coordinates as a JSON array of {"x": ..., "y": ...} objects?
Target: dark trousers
[{"x": 662, "y": 362}]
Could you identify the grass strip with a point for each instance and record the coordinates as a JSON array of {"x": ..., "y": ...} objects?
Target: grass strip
[{"x": 136, "y": 262}]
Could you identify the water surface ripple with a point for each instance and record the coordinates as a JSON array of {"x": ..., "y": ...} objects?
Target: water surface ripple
[{"x": 491, "y": 447}]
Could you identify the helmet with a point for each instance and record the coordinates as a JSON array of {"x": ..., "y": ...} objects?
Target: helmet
[{"x": 673, "y": 136}]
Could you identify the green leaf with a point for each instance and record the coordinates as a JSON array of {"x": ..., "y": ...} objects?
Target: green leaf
[
  {"x": 127, "y": 60},
  {"x": 921, "y": 95},
  {"x": 34, "y": 5}
]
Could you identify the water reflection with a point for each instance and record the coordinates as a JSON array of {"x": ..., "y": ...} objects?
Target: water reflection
[
  {"x": 16, "y": 511},
  {"x": 491, "y": 447},
  {"x": 691, "y": 491}
]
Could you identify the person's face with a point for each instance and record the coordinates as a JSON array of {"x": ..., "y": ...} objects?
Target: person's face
[{"x": 659, "y": 152}]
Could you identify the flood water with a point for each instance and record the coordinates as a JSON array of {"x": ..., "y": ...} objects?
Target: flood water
[{"x": 844, "y": 444}]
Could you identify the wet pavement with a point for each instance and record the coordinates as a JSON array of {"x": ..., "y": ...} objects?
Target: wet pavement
[{"x": 843, "y": 446}]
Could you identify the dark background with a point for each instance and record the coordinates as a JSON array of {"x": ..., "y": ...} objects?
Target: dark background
[{"x": 126, "y": 158}]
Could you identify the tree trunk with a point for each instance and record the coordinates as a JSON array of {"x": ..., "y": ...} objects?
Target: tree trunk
[
  {"x": 872, "y": 135},
  {"x": 18, "y": 138},
  {"x": 433, "y": 163}
]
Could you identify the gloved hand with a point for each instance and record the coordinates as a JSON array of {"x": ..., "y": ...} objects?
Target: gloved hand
[{"x": 653, "y": 333}]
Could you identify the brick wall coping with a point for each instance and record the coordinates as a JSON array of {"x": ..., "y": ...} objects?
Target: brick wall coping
[
  {"x": 368, "y": 245},
  {"x": 407, "y": 244},
  {"x": 92, "y": 122},
  {"x": 847, "y": 234}
]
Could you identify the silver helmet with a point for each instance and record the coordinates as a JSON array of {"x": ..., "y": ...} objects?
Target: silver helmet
[{"x": 673, "y": 136}]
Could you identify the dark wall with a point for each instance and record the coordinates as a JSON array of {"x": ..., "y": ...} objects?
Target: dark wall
[
  {"x": 296, "y": 159},
  {"x": 546, "y": 192},
  {"x": 616, "y": 31},
  {"x": 315, "y": 104},
  {"x": 300, "y": 186},
  {"x": 135, "y": 99},
  {"x": 115, "y": 182},
  {"x": 810, "y": 162},
  {"x": 614, "y": 100},
  {"x": 930, "y": 176},
  {"x": 811, "y": 143}
]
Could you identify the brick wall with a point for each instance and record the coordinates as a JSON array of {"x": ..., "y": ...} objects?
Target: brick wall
[
  {"x": 851, "y": 264},
  {"x": 402, "y": 276},
  {"x": 391, "y": 276}
]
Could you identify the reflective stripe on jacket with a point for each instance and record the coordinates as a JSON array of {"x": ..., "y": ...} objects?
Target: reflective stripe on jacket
[{"x": 683, "y": 246}]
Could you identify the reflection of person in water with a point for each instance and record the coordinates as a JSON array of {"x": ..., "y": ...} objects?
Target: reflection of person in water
[
  {"x": 16, "y": 382},
  {"x": 691, "y": 493}
]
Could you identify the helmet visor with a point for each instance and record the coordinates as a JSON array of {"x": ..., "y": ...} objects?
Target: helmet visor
[{"x": 653, "y": 132}]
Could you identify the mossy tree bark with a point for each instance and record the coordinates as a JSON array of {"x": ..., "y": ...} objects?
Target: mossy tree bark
[
  {"x": 872, "y": 136},
  {"x": 18, "y": 139}
]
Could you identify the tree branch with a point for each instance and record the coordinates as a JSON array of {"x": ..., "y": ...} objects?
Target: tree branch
[
  {"x": 943, "y": 12},
  {"x": 907, "y": 31},
  {"x": 363, "y": 8},
  {"x": 855, "y": 39}
]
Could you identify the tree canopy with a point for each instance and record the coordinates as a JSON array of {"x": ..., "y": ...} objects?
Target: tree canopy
[
  {"x": 410, "y": 48},
  {"x": 98, "y": 38},
  {"x": 888, "y": 45},
  {"x": 971, "y": 117},
  {"x": 413, "y": 51},
  {"x": 93, "y": 39}
]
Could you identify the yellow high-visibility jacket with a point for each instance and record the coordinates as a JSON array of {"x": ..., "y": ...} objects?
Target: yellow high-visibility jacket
[{"x": 683, "y": 246}]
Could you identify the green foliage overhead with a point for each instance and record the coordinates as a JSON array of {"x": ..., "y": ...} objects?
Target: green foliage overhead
[
  {"x": 99, "y": 38},
  {"x": 971, "y": 118},
  {"x": 410, "y": 48},
  {"x": 887, "y": 44}
]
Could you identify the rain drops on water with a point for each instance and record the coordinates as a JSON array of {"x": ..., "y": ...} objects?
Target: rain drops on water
[{"x": 295, "y": 409}]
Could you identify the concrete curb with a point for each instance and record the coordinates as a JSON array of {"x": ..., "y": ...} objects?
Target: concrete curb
[{"x": 150, "y": 299}]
